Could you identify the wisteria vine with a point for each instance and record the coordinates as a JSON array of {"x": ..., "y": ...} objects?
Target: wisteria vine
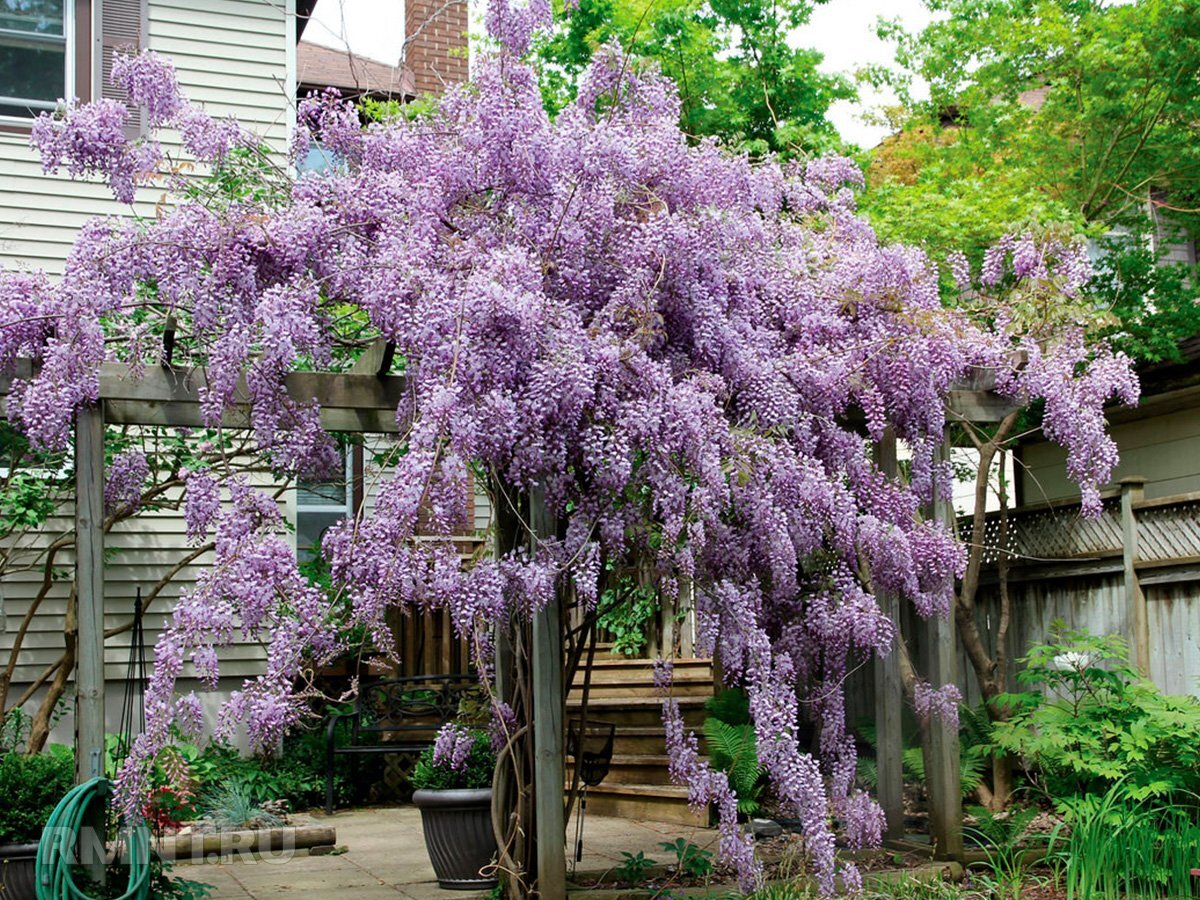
[{"x": 686, "y": 350}]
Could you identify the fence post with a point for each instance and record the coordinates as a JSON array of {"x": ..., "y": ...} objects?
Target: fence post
[
  {"x": 889, "y": 690},
  {"x": 1132, "y": 491}
]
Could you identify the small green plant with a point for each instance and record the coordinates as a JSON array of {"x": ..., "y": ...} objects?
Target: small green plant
[
  {"x": 233, "y": 807},
  {"x": 633, "y": 868},
  {"x": 1126, "y": 844},
  {"x": 690, "y": 859},
  {"x": 1090, "y": 721},
  {"x": 1004, "y": 837}
]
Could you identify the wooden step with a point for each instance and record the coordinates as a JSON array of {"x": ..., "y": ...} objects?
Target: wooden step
[
  {"x": 648, "y": 802},
  {"x": 644, "y": 740},
  {"x": 636, "y": 711},
  {"x": 634, "y": 768}
]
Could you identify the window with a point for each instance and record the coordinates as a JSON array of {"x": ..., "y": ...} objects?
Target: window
[
  {"x": 36, "y": 55},
  {"x": 320, "y": 504}
]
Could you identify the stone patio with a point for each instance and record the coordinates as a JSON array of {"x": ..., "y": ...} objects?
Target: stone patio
[{"x": 385, "y": 857}]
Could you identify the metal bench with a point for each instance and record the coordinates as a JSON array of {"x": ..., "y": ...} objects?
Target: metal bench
[{"x": 398, "y": 715}]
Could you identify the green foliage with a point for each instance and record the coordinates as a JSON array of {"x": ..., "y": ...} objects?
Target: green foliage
[
  {"x": 1004, "y": 838},
  {"x": 1075, "y": 114},
  {"x": 732, "y": 749},
  {"x": 633, "y": 868},
  {"x": 233, "y": 806},
  {"x": 1118, "y": 845},
  {"x": 295, "y": 774},
  {"x": 731, "y": 705},
  {"x": 477, "y": 773},
  {"x": 739, "y": 77},
  {"x": 691, "y": 860},
  {"x": 729, "y": 735},
  {"x": 975, "y": 751},
  {"x": 626, "y": 611},
  {"x": 1092, "y": 721},
  {"x": 1126, "y": 275},
  {"x": 31, "y": 786}
]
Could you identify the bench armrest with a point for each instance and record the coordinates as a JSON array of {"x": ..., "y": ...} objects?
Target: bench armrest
[{"x": 331, "y": 728}]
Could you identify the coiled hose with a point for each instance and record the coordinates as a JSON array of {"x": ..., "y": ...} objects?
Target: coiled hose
[{"x": 57, "y": 850}]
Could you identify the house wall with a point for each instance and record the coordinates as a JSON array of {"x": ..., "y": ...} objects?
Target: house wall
[
  {"x": 236, "y": 57},
  {"x": 1164, "y": 449}
]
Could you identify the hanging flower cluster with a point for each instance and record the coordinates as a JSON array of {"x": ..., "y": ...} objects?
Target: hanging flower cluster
[{"x": 685, "y": 350}]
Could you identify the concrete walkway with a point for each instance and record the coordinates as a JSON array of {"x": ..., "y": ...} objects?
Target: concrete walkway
[{"x": 385, "y": 857}]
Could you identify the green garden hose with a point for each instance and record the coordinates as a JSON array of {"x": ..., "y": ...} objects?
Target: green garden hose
[{"x": 56, "y": 856}]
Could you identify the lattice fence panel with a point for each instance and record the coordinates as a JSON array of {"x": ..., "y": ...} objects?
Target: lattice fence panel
[
  {"x": 1053, "y": 534},
  {"x": 1169, "y": 532}
]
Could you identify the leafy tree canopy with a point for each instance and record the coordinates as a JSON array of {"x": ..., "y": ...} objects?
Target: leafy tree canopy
[
  {"x": 739, "y": 77},
  {"x": 1053, "y": 111}
]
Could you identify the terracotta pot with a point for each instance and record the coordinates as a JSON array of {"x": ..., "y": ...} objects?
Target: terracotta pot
[
  {"x": 458, "y": 836},
  {"x": 18, "y": 877}
]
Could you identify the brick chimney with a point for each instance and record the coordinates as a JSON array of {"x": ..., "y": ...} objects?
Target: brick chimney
[{"x": 436, "y": 52}]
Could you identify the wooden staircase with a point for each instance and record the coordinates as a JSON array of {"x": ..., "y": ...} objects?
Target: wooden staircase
[{"x": 622, "y": 692}]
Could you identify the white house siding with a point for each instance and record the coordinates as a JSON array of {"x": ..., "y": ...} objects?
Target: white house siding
[
  {"x": 236, "y": 57},
  {"x": 1163, "y": 449}
]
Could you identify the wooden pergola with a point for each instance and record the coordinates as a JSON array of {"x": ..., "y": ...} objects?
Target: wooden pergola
[{"x": 364, "y": 400}]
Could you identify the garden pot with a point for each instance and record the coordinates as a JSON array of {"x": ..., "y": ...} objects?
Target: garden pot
[
  {"x": 18, "y": 879},
  {"x": 458, "y": 836}
]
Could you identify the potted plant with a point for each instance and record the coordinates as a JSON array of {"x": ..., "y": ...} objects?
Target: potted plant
[
  {"x": 31, "y": 786},
  {"x": 453, "y": 790}
]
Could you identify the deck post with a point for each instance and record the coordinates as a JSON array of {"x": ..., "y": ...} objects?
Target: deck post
[
  {"x": 942, "y": 768},
  {"x": 1132, "y": 491},
  {"x": 89, "y": 601},
  {"x": 889, "y": 690},
  {"x": 549, "y": 776}
]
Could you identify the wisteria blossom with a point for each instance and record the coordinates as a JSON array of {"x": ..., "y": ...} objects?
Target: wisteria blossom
[{"x": 687, "y": 352}]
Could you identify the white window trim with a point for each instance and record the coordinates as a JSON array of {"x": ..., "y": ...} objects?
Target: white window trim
[{"x": 68, "y": 86}]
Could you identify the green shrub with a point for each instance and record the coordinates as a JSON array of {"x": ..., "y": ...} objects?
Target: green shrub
[
  {"x": 1092, "y": 721},
  {"x": 296, "y": 773},
  {"x": 31, "y": 787}
]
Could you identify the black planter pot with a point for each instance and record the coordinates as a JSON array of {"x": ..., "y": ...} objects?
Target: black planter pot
[
  {"x": 18, "y": 863},
  {"x": 458, "y": 836}
]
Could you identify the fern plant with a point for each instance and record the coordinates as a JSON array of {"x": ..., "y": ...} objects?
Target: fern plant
[
  {"x": 975, "y": 751},
  {"x": 732, "y": 749},
  {"x": 729, "y": 735}
]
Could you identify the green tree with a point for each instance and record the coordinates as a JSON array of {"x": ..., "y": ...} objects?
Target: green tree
[
  {"x": 739, "y": 78},
  {"x": 1054, "y": 111}
]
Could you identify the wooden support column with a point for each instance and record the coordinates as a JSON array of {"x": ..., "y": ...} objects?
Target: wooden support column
[
  {"x": 89, "y": 600},
  {"x": 89, "y": 593},
  {"x": 548, "y": 699},
  {"x": 889, "y": 689},
  {"x": 1132, "y": 491},
  {"x": 942, "y": 767}
]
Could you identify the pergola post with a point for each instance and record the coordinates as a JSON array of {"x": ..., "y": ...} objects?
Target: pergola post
[
  {"x": 89, "y": 592},
  {"x": 942, "y": 768},
  {"x": 889, "y": 689},
  {"x": 89, "y": 602},
  {"x": 549, "y": 775}
]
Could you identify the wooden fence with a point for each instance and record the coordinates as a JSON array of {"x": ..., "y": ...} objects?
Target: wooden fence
[{"x": 1132, "y": 571}]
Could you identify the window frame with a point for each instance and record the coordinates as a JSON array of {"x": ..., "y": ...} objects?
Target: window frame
[
  {"x": 77, "y": 75},
  {"x": 346, "y": 508}
]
